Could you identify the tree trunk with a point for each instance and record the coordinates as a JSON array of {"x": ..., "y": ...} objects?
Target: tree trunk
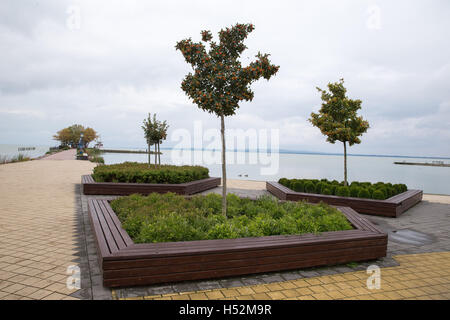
[
  {"x": 159, "y": 155},
  {"x": 345, "y": 164},
  {"x": 149, "y": 160},
  {"x": 156, "y": 159},
  {"x": 224, "y": 169}
]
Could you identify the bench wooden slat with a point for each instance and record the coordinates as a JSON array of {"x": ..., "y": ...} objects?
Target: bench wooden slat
[
  {"x": 123, "y": 234},
  {"x": 117, "y": 237},
  {"x": 227, "y": 272},
  {"x": 109, "y": 239},
  {"x": 138, "y": 251},
  {"x": 194, "y": 265},
  {"x": 239, "y": 255},
  {"x": 98, "y": 231}
]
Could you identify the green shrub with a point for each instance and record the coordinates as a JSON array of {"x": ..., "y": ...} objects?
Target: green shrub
[
  {"x": 378, "y": 194},
  {"x": 333, "y": 188},
  {"x": 319, "y": 187},
  {"x": 354, "y": 190},
  {"x": 343, "y": 192},
  {"x": 364, "y": 193},
  {"x": 298, "y": 186},
  {"x": 309, "y": 187},
  {"x": 327, "y": 191},
  {"x": 97, "y": 159},
  {"x": 284, "y": 182},
  {"x": 398, "y": 188},
  {"x": 171, "y": 217},
  {"x": 134, "y": 172},
  {"x": 383, "y": 190}
]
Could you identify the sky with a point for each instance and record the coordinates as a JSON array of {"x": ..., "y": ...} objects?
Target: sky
[{"x": 107, "y": 64}]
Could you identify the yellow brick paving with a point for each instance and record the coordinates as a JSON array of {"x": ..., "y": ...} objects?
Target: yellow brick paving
[
  {"x": 419, "y": 276},
  {"x": 38, "y": 227}
]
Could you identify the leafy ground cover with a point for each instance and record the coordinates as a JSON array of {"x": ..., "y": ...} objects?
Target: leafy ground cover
[{"x": 171, "y": 217}]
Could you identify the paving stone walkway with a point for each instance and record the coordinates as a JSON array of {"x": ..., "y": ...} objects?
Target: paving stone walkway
[
  {"x": 41, "y": 233},
  {"x": 418, "y": 276}
]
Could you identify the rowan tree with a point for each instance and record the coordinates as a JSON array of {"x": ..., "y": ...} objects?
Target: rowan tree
[{"x": 219, "y": 82}]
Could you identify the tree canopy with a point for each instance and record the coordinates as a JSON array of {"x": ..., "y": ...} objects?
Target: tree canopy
[
  {"x": 155, "y": 133},
  {"x": 70, "y": 136},
  {"x": 338, "y": 118},
  {"x": 219, "y": 81}
]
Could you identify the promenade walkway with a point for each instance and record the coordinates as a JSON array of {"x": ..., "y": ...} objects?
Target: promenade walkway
[{"x": 39, "y": 226}]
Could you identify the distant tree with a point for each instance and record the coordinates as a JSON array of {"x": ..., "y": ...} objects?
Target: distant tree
[
  {"x": 149, "y": 127},
  {"x": 64, "y": 136},
  {"x": 219, "y": 81},
  {"x": 155, "y": 133},
  {"x": 70, "y": 136},
  {"x": 338, "y": 118},
  {"x": 89, "y": 135}
]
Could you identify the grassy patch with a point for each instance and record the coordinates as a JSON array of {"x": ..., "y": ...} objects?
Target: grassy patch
[
  {"x": 171, "y": 217},
  {"x": 135, "y": 172},
  {"x": 18, "y": 158},
  {"x": 95, "y": 155},
  {"x": 367, "y": 190}
]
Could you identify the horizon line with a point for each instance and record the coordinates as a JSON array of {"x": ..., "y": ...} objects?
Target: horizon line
[{"x": 288, "y": 151}]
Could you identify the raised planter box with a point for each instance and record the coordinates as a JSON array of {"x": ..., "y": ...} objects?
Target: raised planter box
[
  {"x": 392, "y": 207},
  {"x": 90, "y": 187},
  {"x": 125, "y": 263}
]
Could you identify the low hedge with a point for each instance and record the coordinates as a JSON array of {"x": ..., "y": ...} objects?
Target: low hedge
[
  {"x": 171, "y": 217},
  {"x": 134, "y": 172},
  {"x": 379, "y": 190}
]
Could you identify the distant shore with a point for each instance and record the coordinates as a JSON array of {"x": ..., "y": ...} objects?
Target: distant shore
[
  {"x": 127, "y": 151},
  {"x": 422, "y": 164}
]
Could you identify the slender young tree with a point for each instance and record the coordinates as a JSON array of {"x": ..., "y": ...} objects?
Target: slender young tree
[
  {"x": 149, "y": 133},
  {"x": 338, "y": 118},
  {"x": 219, "y": 82},
  {"x": 155, "y": 133}
]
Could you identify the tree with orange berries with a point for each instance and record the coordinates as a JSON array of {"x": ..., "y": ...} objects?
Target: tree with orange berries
[{"x": 219, "y": 82}]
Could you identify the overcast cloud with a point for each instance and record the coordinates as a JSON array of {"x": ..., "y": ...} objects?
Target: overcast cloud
[{"x": 121, "y": 64}]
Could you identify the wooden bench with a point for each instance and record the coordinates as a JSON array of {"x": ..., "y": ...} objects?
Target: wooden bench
[
  {"x": 90, "y": 187},
  {"x": 125, "y": 263},
  {"x": 392, "y": 207}
]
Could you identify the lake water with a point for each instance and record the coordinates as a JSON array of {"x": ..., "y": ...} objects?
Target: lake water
[
  {"x": 360, "y": 168},
  {"x": 9, "y": 151}
]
